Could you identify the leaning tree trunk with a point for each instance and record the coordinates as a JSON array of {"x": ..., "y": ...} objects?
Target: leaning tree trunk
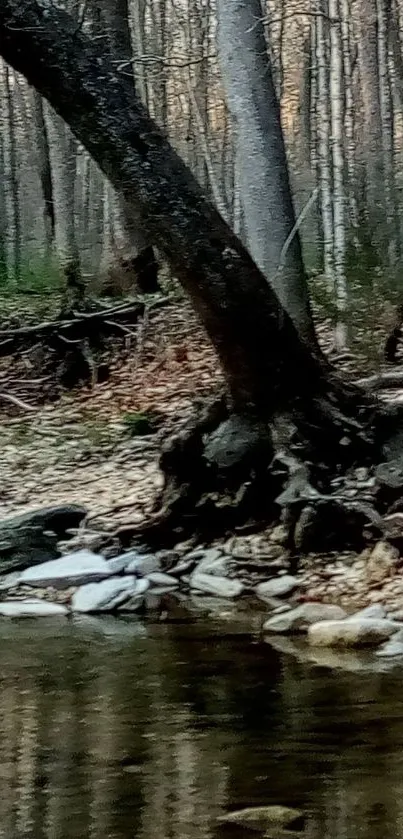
[
  {"x": 268, "y": 368},
  {"x": 260, "y": 154}
]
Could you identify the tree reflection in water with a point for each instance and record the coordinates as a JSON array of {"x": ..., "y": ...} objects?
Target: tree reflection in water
[{"x": 115, "y": 730}]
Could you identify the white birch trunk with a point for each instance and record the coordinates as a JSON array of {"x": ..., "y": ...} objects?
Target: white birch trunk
[
  {"x": 324, "y": 153},
  {"x": 349, "y": 122}
]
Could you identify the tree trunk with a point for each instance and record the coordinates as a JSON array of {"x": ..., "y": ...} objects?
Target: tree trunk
[
  {"x": 337, "y": 132},
  {"x": 324, "y": 152},
  {"x": 63, "y": 166},
  {"x": 350, "y": 147},
  {"x": 269, "y": 369},
  {"x": 133, "y": 261},
  {"x": 13, "y": 192},
  {"x": 260, "y": 154},
  {"x": 372, "y": 127},
  {"x": 44, "y": 167}
]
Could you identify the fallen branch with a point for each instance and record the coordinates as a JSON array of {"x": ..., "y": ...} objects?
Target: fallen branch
[
  {"x": 382, "y": 381},
  {"x": 8, "y": 397}
]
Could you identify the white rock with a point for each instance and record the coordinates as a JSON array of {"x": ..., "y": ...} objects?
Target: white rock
[
  {"x": 72, "y": 569},
  {"x": 277, "y": 587},
  {"x": 299, "y": 619},
  {"x": 376, "y": 612},
  {"x": 219, "y": 586},
  {"x": 33, "y": 608},
  {"x": 119, "y": 563},
  {"x": 157, "y": 580},
  {"x": 108, "y": 594},
  {"x": 142, "y": 564},
  {"x": 393, "y": 647},
  {"x": 364, "y": 632}
]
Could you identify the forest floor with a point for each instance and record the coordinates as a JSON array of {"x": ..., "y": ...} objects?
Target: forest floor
[{"x": 81, "y": 448}]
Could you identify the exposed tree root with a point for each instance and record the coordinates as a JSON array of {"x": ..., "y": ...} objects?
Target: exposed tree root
[{"x": 231, "y": 471}]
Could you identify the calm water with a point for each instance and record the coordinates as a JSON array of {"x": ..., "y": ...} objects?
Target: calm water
[{"x": 115, "y": 730}]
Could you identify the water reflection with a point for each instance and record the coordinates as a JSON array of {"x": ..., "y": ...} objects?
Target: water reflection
[{"x": 114, "y": 730}]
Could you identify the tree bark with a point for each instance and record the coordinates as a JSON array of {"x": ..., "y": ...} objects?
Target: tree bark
[
  {"x": 133, "y": 255},
  {"x": 260, "y": 154},
  {"x": 44, "y": 167}
]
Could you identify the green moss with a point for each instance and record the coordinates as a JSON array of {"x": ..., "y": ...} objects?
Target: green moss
[{"x": 139, "y": 424}]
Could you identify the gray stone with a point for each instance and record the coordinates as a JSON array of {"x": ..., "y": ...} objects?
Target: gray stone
[
  {"x": 142, "y": 564},
  {"x": 299, "y": 619},
  {"x": 267, "y": 818},
  {"x": 277, "y": 587},
  {"x": 32, "y": 608},
  {"x": 159, "y": 580},
  {"x": 118, "y": 564},
  {"x": 364, "y": 632},
  {"x": 73, "y": 569},
  {"x": 108, "y": 594},
  {"x": 187, "y": 563},
  {"x": 393, "y": 647},
  {"x": 376, "y": 611},
  {"x": 217, "y": 566},
  {"x": 219, "y": 586}
]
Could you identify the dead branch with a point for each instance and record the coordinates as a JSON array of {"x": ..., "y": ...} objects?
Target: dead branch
[{"x": 382, "y": 381}]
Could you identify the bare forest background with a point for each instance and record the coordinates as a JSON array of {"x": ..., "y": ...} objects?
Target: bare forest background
[{"x": 338, "y": 72}]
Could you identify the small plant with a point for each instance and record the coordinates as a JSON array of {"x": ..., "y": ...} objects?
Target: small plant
[{"x": 139, "y": 424}]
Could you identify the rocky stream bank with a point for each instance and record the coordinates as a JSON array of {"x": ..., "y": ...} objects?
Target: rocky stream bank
[{"x": 347, "y": 602}]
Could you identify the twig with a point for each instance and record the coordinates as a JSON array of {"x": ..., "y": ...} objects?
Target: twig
[
  {"x": 304, "y": 212},
  {"x": 15, "y": 401}
]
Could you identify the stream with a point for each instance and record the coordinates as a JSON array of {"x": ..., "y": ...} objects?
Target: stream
[{"x": 115, "y": 729}]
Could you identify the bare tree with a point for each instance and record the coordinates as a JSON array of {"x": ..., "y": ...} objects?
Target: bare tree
[
  {"x": 44, "y": 168},
  {"x": 62, "y": 148},
  {"x": 337, "y": 95},
  {"x": 260, "y": 155},
  {"x": 12, "y": 193},
  {"x": 131, "y": 252}
]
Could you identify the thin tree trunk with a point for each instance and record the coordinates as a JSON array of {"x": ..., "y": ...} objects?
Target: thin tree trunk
[
  {"x": 11, "y": 163},
  {"x": 372, "y": 124},
  {"x": 350, "y": 147},
  {"x": 63, "y": 165},
  {"x": 260, "y": 154},
  {"x": 384, "y": 13},
  {"x": 133, "y": 258},
  {"x": 324, "y": 151},
  {"x": 45, "y": 173},
  {"x": 337, "y": 132}
]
